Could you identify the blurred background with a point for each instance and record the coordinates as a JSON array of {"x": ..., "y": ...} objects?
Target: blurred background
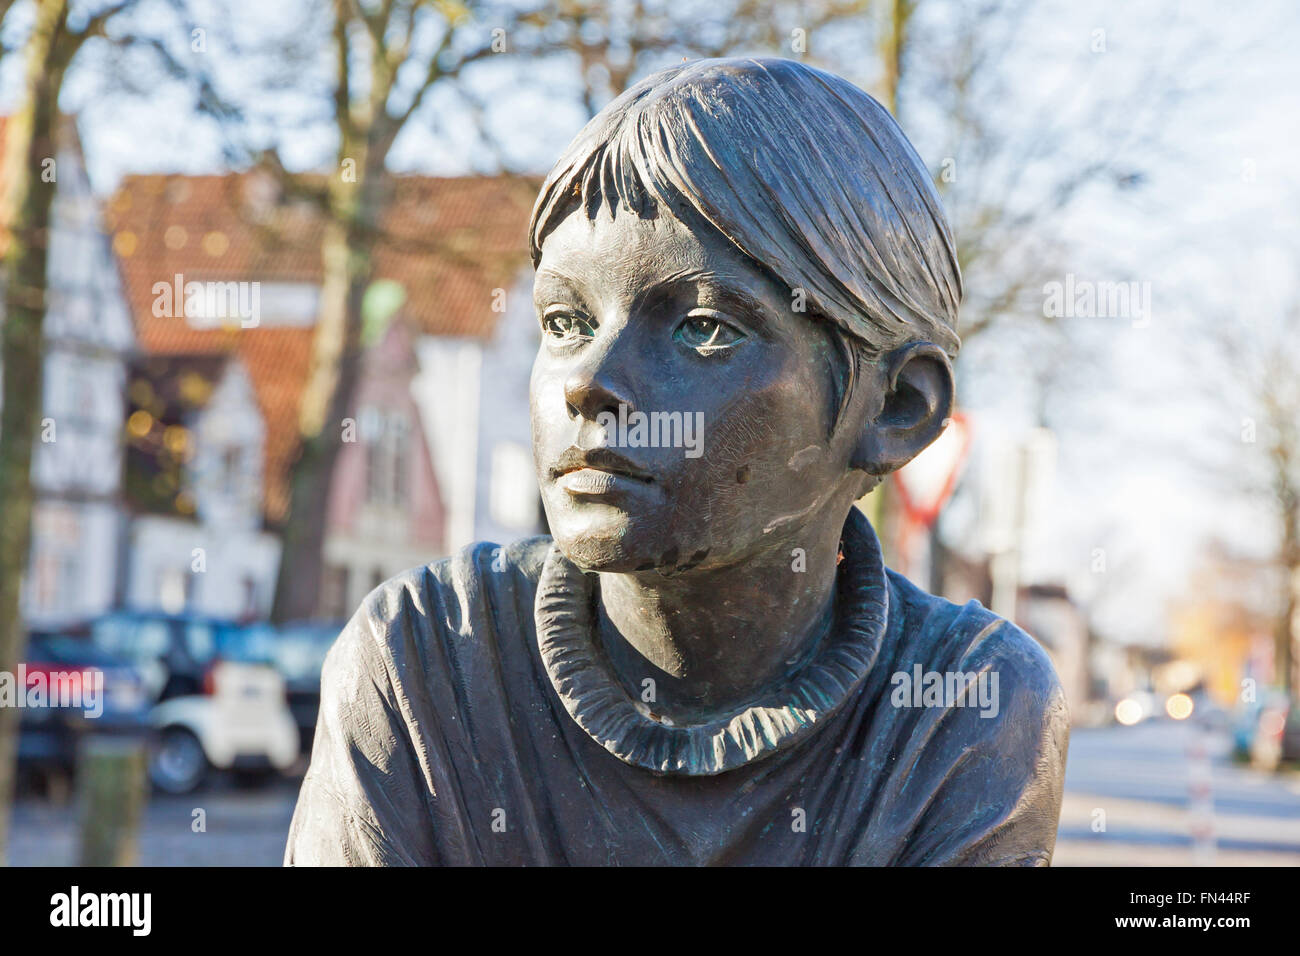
[{"x": 268, "y": 331}]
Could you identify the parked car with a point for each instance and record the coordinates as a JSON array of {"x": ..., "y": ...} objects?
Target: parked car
[
  {"x": 240, "y": 722},
  {"x": 1275, "y": 732},
  {"x": 300, "y": 650},
  {"x": 110, "y": 698},
  {"x": 172, "y": 651},
  {"x": 220, "y": 703}
]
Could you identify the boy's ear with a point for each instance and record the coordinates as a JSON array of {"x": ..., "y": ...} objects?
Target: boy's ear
[{"x": 918, "y": 401}]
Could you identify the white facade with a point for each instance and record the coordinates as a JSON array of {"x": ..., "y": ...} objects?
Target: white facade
[
  {"x": 226, "y": 473},
  {"x": 75, "y": 547},
  {"x": 77, "y": 519},
  {"x": 219, "y": 563},
  {"x": 473, "y": 398},
  {"x": 508, "y": 506},
  {"x": 180, "y": 565},
  {"x": 446, "y": 388}
]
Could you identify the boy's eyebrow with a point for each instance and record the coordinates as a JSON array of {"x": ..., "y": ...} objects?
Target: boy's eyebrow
[
  {"x": 725, "y": 289},
  {"x": 553, "y": 275},
  {"x": 550, "y": 275}
]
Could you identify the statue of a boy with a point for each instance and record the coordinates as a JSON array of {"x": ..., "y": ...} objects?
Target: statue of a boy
[{"x": 709, "y": 663}]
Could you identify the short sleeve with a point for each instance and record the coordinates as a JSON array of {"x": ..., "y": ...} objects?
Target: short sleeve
[
  {"x": 1029, "y": 793},
  {"x": 982, "y": 785},
  {"x": 363, "y": 800}
]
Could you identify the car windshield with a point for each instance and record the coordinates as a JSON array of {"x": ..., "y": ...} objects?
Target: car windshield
[
  {"x": 70, "y": 650},
  {"x": 134, "y": 638},
  {"x": 301, "y": 650},
  {"x": 253, "y": 643}
]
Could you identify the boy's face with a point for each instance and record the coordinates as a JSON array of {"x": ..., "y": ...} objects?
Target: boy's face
[{"x": 642, "y": 317}]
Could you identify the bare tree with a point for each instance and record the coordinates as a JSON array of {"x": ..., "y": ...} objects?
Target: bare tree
[
  {"x": 386, "y": 57},
  {"x": 369, "y": 68},
  {"x": 56, "y": 34},
  {"x": 616, "y": 44},
  {"x": 1248, "y": 373},
  {"x": 372, "y": 43}
]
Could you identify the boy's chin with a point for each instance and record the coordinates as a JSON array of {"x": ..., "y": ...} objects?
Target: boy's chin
[
  {"x": 618, "y": 547},
  {"x": 630, "y": 553},
  {"x": 607, "y": 553}
]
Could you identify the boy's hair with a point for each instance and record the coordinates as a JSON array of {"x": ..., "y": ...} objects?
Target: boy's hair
[{"x": 804, "y": 173}]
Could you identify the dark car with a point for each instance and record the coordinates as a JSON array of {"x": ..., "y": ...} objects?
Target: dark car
[
  {"x": 300, "y": 650},
  {"x": 218, "y": 700},
  {"x": 77, "y": 689},
  {"x": 297, "y": 650},
  {"x": 173, "y": 652},
  {"x": 1275, "y": 733}
]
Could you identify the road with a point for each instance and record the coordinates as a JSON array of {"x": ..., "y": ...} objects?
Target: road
[
  {"x": 1140, "y": 784},
  {"x": 220, "y": 826},
  {"x": 1137, "y": 782}
]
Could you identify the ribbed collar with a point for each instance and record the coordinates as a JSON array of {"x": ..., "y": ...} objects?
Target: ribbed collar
[{"x": 776, "y": 720}]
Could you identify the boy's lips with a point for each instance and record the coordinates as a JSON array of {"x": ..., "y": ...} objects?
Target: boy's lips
[
  {"x": 596, "y": 461},
  {"x": 596, "y": 481}
]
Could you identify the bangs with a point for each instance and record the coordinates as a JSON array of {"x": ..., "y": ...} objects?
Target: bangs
[
  {"x": 804, "y": 173},
  {"x": 604, "y": 166}
]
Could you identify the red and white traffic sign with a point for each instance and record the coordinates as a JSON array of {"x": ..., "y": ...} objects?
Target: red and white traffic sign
[{"x": 926, "y": 482}]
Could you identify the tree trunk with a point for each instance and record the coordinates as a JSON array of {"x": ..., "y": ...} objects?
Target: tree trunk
[
  {"x": 886, "y": 514},
  {"x": 113, "y": 786},
  {"x": 329, "y": 396},
  {"x": 30, "y": 142},
  {"x": 1285, "y": 635},
  {"x": 893, "y": 41}
]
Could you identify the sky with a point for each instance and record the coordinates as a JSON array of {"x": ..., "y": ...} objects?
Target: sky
[
  {"x": 1211, "y": 227},
  {"x": 1222, "y": 202}
]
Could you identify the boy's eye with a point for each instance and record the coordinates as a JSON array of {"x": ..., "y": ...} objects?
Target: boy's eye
[
  {"x": 568, "y": 326},
  {"x": 707, "y": 334}
]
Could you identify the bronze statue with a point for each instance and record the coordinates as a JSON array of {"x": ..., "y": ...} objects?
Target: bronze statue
[{"x": 748, "y": 294}]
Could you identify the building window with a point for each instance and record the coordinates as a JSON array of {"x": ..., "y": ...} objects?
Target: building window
[
  {"x": 57, "y": 582},
  {"x": 334, "y": 592},
  {"x": 175, "y": 589},
  {"x": 232, "y": 466},
  {"x": 387, "y": 438},
  {"x": 513, "y": 493}
]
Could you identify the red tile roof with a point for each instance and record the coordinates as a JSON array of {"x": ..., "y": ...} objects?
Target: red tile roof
[{"x": 449, "y": 242}]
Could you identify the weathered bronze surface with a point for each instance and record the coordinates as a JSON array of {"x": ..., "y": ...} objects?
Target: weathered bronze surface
[{"x": 708, "y": 663}]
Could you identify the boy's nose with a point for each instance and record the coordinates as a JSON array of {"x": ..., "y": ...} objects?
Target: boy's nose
[{"x": 598, "y": 382}]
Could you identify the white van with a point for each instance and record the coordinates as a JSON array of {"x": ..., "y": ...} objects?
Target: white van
[{"x": 242, "y": 722}]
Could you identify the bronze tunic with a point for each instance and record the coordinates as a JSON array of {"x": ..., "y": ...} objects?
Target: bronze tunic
[{"x": 448, "y": 736}]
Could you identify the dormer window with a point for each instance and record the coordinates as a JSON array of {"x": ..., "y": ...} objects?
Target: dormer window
[
  {"x": 386, "y": 435},
  {"x": 232, "y": 465}
]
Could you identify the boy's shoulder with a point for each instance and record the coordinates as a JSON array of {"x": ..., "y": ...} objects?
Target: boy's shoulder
[
  {"x": 479, "y": 589},
  {"x": 523, "y": 558},
  {"x": 472, "y": 569},
  {"x": 961, "y": 638}
]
